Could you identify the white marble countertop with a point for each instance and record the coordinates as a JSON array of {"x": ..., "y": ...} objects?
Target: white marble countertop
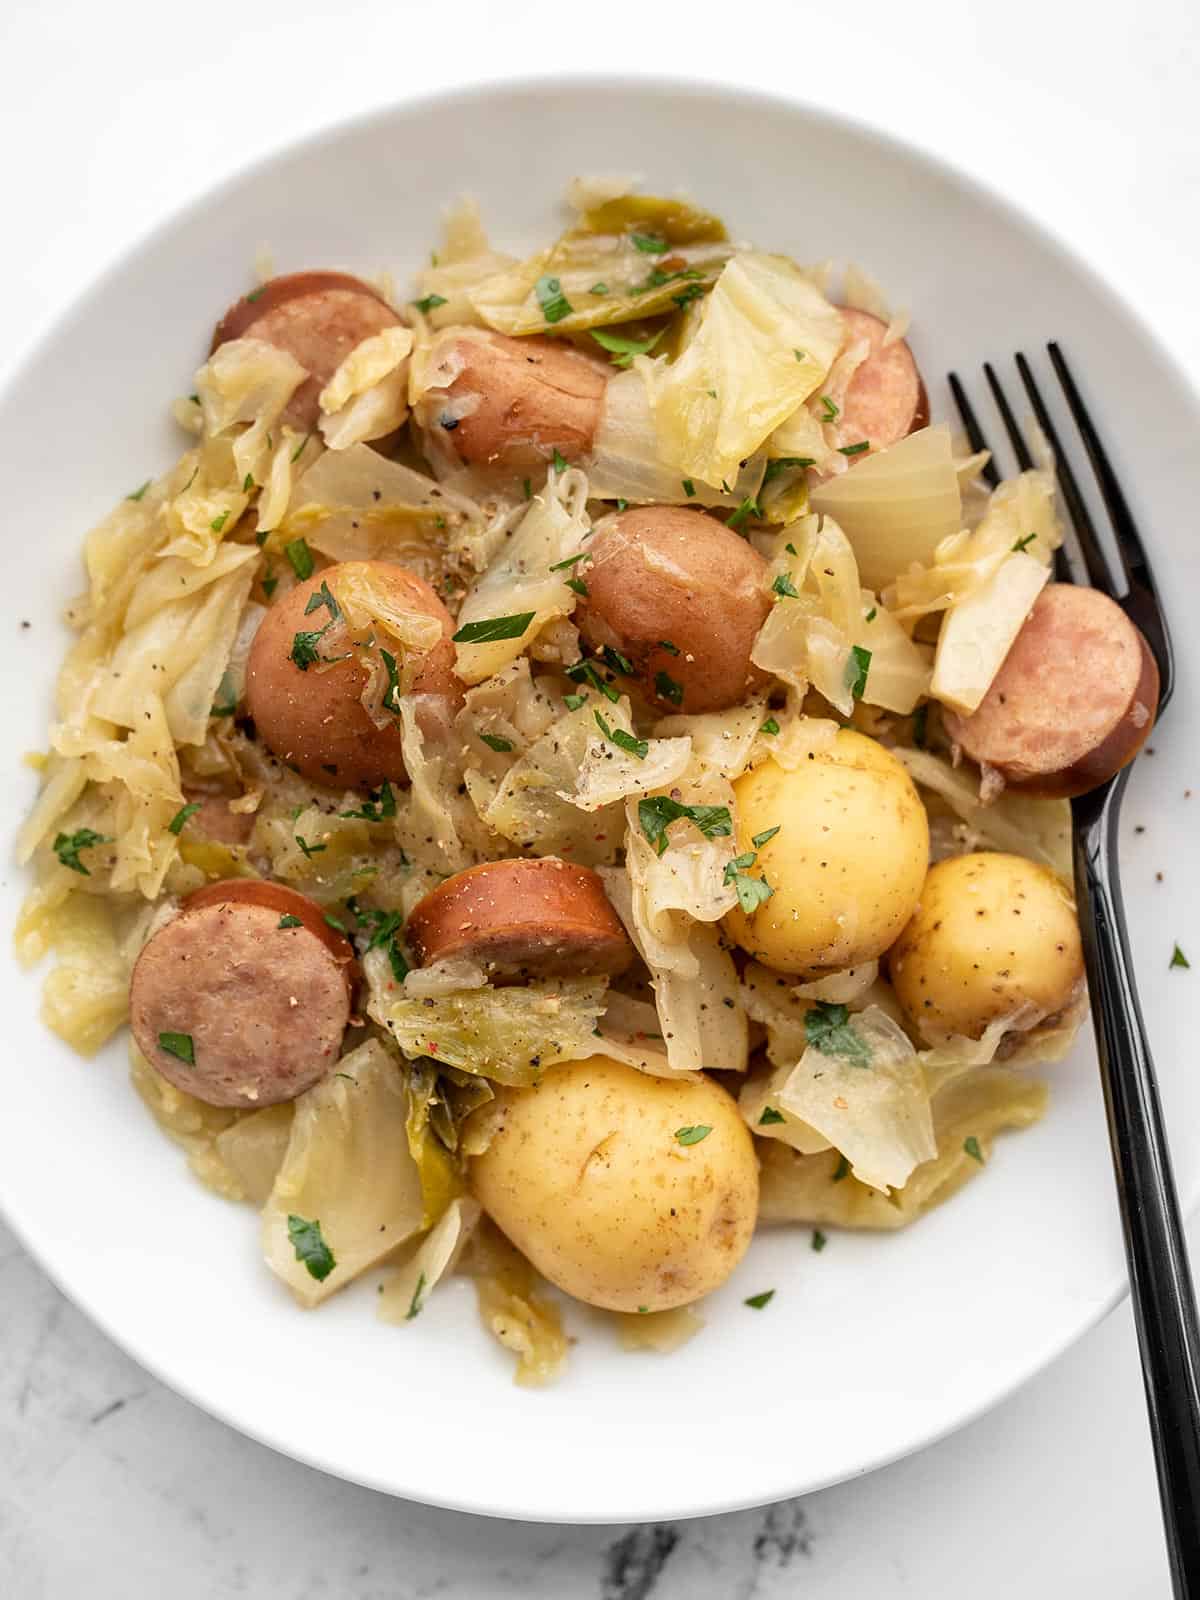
[{"x": 110, "y": 1486}]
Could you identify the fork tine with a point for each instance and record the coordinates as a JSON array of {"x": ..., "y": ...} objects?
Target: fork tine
[
  {"x": 1015, "y": 437},
  {"x": 1098, "y": 570},
  {"x": 1129, "y": 541},
  {"x": 990, "y": 473}
]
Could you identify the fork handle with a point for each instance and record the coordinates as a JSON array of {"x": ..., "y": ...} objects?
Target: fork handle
[{"x": 1164, "y": 1301}]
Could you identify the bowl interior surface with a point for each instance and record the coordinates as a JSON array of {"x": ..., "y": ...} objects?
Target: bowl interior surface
[{"x": 869, "y": 1349}]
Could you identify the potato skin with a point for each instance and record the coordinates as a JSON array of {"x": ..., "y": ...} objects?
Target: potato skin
[
  {"x": 315, "y": 720},
  {"x": 667, "y": 574},
  {"x": 586, "y": 1177},
  {"x": 993, "y": 932},
  {"x": 847, "y": 864},
  {"x": 527, "y": 398}
]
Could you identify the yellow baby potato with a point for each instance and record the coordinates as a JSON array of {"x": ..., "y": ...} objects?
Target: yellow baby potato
[
  {"x": 993, "y": 933},
  {"x": 604, "y": 1178},
  {"x": 846, "y": 865}
]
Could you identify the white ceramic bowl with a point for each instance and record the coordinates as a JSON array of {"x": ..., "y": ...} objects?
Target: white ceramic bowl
[{"x": 868, "y": 1350}]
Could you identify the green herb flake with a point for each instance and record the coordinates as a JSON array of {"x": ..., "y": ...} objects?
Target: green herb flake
[
  {"x": 1023, "y": 544},
  {"x": 377, "y": 808},
  {"x": 842, "y": 1170},
  {"x": 751, "y": 892},
  {"x": 323, "y": 597},
  {"x": 649, "y": 244},
  {"x": 1178, "y": 959},
  {"x": 622, "y": 504},
  {"x": 748, "y": 508},
  {"x": 138, "y": 493},
  {"x": 176, "y": 823},
  {"x": 770, "y": 1117},
  {"x": 756, "y": 1302},
  {"x": 854, "y": 449},
  {"x": 692, "y": 1134},
  {"x": 417, "y": 1304},
  {"x": 179, "y": 1045},
  {"x": 657, "y": 812},
  {"x": 783, "y": 464},
  {"x": 622, "y": 349},
  {"x": 579, "y": 587},
  {"x": 827, "y": 1028},
  {"x": 598, "y": 288},
  {"x": 68, "y": 845},
  {"x": 488, "y": 630},
  {"x": 971, "y": 1146},
  {"x": 226, "y": 702},
  {"x": 559, "y": 461},
  {"x": 872, "y": 614},
  {"x": 299, "y": 451},
  {"x": 289, "y": 921},
  {"x": 623, "y": 741},
  {"x": 857, "y": 668},
  {"x": 308, "y": 850},
  {"x": 761, "y": 839},
  {"x": 784, "y": 589},
  {"x": 430, "y": 302},
  {"x": 561, "y": 566},
  {"x": 830, "y": 410},
  {"x": 554, "y": 303},
  {"x": 218, "y": 523},
  {"x": 255, "y": 294},
  {"x": 574, "y": 701},
  {"x": 616, "y": 661},
  {"x": 666, "y": 644},
  {"x": 689, "y": 488},
  {"x": 247, "y": 483},
  {"x": 819, "y": 1241},
  {"x": 300, "y": 557},
  {"x": 770, "y": 727},
  {"x": 332, "y": 922},
  {"x": 665, "y": 685},
  {"x": 527, "y": 486},
  {"x": 495, "y": 742},
  {"x": 585, "y": 672},
  {"x": 391, "y": 698},
  {"x": 311, "y": 1250},
  {"x": 304, "y": 648}
]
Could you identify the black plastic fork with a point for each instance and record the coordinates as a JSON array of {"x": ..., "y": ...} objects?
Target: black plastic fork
[{"x": 1164, "y": 1301}]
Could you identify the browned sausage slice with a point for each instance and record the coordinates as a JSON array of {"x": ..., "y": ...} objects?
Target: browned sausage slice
[
  {"x": 885, "y": 399},
  {"x": 251, "y": 983},
  {"x": 1073, "y": 702},
  {"x": 318, "y": 317},
  {"x": 545, "y": 918},
  {"x": 312, "y": 717},
  {"x": 514, "y": 402},
  {"x": 681, "y": 597}
]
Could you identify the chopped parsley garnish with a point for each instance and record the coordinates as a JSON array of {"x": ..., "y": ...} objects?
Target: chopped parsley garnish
[
  {"x": 614, "y": 659},
  {"x": 854, "y": 449},
  {"x": 311, "y": 1250},
  {"x": 621, "y": 504},
  {"x": 598, "y": 288},
  {"x": 300, "y": 448},
  {"x": 657, "y": 812},
  {"x": 430, "y": 302},
  {"x": 623, "y": 741},
  {"x": 377, "y": 808},
  {"x": 322, "y": 597},
  {"x": 685, "y": 298},
  {"x": 68, "y": 845},
  {"x": 671, "y": 649},
  {"x": 332, "y": 922},
  {"x": 255, "y": 294},
  {"x": 872, "y": 614},
  {"x": 269, "y": 583},
  {"x": 920, "y": 725},
  {"x": 177, "y": 821},
  {"x": 554, "y": 303},
  {"x": 527, "y": 486},
  {"x": 784, "y": 464},
  {"x": 138, "y": 493},
  {"x": 842, "y": 1170},
  {"x": 760, "y": 839},
  {"x": 226, "y": 702},
  {"x": 391, "y": 696},
  {"x": 490, "y": 629},
  {"x": 1178, "y": 959},
  {"x": 648, "y": 244},
  {"x": 309, "y": 850},
  {"x": 623, "y": 350},
  {"x": 579, "y": 587},
  {"x": 218, "y": 523},
  {"x": 1023, "y": 544},
  {"x": 665, "y": 685},
  {"x": 178, "y": 1045},
  {"x": 857, "y": 668},
  {"x": 971, "y": 1146},
  {"x": 770, "y": 726},
  {"x": 495, "y": 742},
  {"x": 304, "y": 648},
  {"x": 770, "y": 1116},
  {"x": 828, "y": 1029},
  {"x": 819, "y": 1241},
  {"x": 417, "y": 1303},
  {"x": 384, "y": 928},
  {"x": 784, "y": 589},
  {"x": 830, "y": 411},
  {"x": 300, "y": 556},
  {"x": 561, "y": 566},
  {"x": 559, "y": 461},
  {"x": 585, "y": 672},
  {"x": 289, "y": 921},
  {"x": 748, "y": 508},
  {"x": 757, "y": 1301},
  {"x": 247, "y": 483},
  {"x": 693, "y": 1134},
  {"x": 689, "y": 488},
  {"x": 574, "y": 701},
  {"x": 751, "y": 892}
]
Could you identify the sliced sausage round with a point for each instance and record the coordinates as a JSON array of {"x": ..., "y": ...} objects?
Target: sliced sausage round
[
  {"x": 680, "y": 597},
  {"x": 528, "y": 919},
  {"x": 318, "y": 317},
  {"x": 511, "y": 403},
  {"x": 885, "y": 399},
  {"x": 242, "y": 999},
  {"x": 1073, "y": 702},
  {"x": 310, "y": 714}
]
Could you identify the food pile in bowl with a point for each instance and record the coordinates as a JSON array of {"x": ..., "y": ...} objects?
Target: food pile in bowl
[{"x": 560, "y": 774}]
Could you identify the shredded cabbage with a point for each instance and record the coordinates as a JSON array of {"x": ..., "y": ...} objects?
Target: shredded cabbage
[
  {"x": 367, "y": 397},
  {"x": 511, "y": 1309},
  {"x": 979, "y": 630},
  {"x": 404, "y": 1292}
]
